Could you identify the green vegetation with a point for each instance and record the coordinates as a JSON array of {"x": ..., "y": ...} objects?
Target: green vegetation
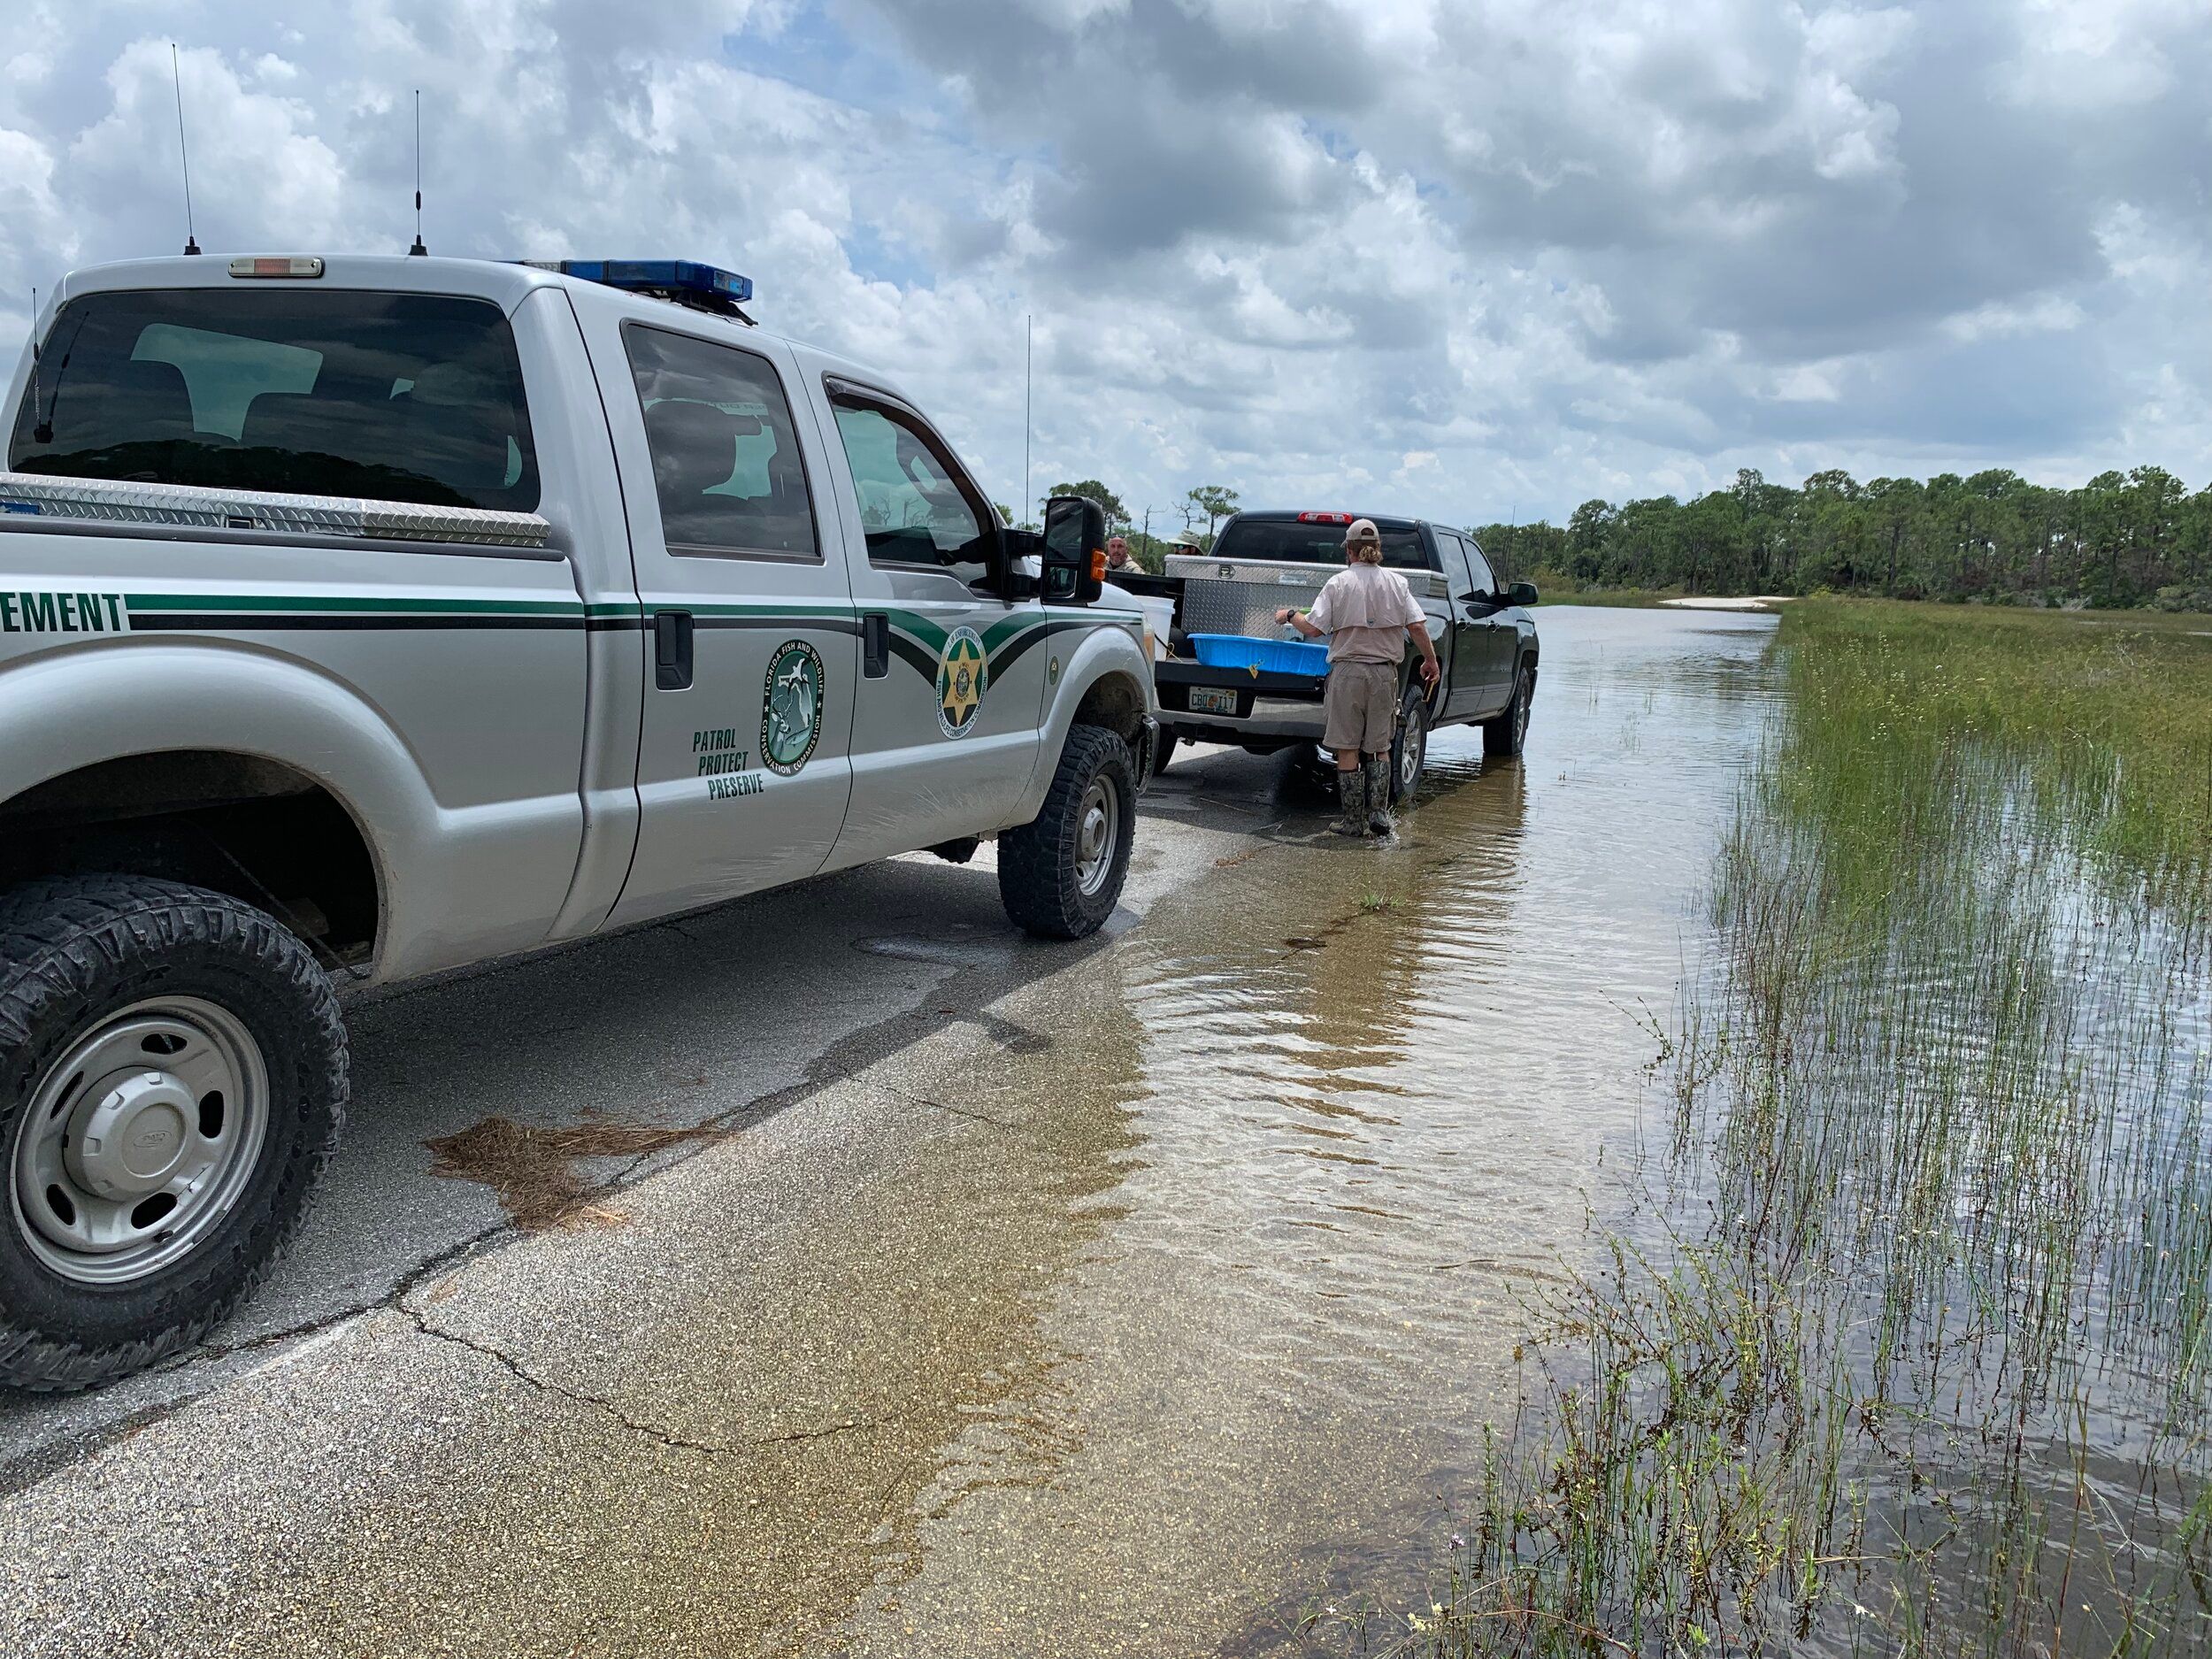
[
  {"x": 1217, "y": 501},
  {"x": 1209, "y": 502},
  {"x": 1117, "y": 515},
  {"x": 1910, "y": 1350},
  {"x": 2134, "y": 539}
]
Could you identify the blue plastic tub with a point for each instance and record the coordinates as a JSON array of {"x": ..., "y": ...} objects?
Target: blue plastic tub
[{"x": 1269, "y": 656}]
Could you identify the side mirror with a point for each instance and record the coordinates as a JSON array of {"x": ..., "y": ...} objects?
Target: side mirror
[
  {"x": 1012, "y": 570},
  {"x": 1075, "y": 551},
  {"x": 1521, "y": 594}
]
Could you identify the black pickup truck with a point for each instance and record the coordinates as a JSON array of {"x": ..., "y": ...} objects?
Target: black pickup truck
[{"x": 1485, "y": 640}]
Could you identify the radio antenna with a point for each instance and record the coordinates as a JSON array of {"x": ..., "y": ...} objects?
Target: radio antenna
[
  {"x": 1029, "y": 350},
  {"x": 184, "y": 158},
  {"x": 418, "y": 248}
]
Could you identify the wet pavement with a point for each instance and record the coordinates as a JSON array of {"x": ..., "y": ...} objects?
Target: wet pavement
[{"x": 1146, "y": 1296}]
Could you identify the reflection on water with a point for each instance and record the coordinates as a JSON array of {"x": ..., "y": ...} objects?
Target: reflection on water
[
  {"x": 1378, "y": 1085},
  {"x": 1426, "y": 1088}
]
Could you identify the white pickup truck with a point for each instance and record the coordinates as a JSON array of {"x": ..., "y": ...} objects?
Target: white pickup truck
[{"x": 376, "y": 616}]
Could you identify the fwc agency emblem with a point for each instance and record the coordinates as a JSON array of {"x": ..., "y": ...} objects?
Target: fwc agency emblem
[
  {"x": 791, "y": 707},
  {"x": 964, "y": 674}
]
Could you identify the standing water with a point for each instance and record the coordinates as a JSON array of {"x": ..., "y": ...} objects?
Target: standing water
[{"x": 1370, "y": 1094}]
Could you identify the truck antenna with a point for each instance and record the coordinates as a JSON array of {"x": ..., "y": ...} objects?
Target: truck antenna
[
  {"x": 1029, "y": 339},
  {"x": 418, "y": 248},
  {"x": 184, "y": 157}
]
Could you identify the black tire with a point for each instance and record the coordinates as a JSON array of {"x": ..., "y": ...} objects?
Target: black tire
[
  {"x": 76, "y": 952},
  {"x": 1504, "y": 735},
  {"x": 1412, "y": 740},
  {"x": 1312, "y": 775},
  {"x": 1041, "y": 866}
]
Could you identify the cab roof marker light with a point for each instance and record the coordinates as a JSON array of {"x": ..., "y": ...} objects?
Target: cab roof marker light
[
  {"x": 297, "y": 264},
  {"x": 685, "y": 281}
]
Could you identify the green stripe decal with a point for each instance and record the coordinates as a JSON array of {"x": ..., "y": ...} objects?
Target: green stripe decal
[
  {"x": 930, "y": 634},
  {"x": 913, "y": 622},
  {"x": 916, "y": 638},
  {"x": 1006, "y": 627},
  {"x": 323, "y": 605}
]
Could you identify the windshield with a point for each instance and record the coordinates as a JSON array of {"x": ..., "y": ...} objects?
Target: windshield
[
  {"x": 393, "y": 396},
  {"x": 1287, "y": 541}
]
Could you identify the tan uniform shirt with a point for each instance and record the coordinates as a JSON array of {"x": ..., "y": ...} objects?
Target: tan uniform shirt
[{"x": 1366, "y": 611}]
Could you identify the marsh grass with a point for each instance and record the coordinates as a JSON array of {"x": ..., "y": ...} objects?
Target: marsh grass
[{"x": 1910, "y": 1350}]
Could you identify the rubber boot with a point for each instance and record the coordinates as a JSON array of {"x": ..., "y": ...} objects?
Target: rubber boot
[
  {"x": 1376, "y": 769},
  {"x": 1351, "y": 791}
]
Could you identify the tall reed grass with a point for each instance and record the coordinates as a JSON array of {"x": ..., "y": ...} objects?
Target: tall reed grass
[{"x": 1908, "y": 1347}]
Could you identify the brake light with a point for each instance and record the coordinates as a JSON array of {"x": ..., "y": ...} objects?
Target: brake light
[
  {"x": 1325, "y": 518},
  {"x": 297, "y": 264}
]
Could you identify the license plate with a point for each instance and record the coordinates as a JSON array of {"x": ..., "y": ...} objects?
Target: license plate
[{"x": 1206, "y": 700}]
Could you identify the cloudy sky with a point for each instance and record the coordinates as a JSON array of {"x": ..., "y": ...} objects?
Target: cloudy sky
[{"x": 1472, "y": 259}]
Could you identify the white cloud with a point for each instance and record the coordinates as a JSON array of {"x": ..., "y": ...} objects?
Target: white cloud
[
  {"x": 2096, "y": 54},
  {"x": 1808, "y": 383},
  {"x": 2041, "y": 313},
  {"x": 1463, "y": 257}
]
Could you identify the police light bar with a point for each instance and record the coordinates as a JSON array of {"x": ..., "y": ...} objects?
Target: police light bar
[{"x": 672, "y": 278}]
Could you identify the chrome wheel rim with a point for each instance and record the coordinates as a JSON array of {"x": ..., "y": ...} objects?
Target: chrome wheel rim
[
  {"x": 139, "y": 1141},
  {"x": 1412, "y": 750},
  {"x": 1520, "y": 714},
  {"x": 1097, "y": 833}
]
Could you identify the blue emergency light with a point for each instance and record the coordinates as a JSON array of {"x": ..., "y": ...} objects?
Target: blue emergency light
[{"x": 685, "y": 281}]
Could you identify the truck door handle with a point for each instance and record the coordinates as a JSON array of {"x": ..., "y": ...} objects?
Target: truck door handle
[
  {"x": 672, "y": 650},
  {"x": 875, "y": 644}
]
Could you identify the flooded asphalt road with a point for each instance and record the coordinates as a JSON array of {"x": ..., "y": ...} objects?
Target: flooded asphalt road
[{"x": 1140, "y": 1297}]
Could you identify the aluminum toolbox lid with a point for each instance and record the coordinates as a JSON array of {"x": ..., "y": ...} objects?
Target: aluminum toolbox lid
[{"x": 112, "y": 501}]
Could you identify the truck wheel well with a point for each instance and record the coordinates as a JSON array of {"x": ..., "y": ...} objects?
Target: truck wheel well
[
  {"x": 1115, "y": 701},
  {"x": 257, "y": 829}
]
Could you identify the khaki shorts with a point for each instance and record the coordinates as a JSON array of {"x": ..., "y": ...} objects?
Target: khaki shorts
[{"x": 1360, "y": 708}]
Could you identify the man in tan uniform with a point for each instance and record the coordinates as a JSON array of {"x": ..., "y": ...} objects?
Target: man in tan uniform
[{"x": 1366, "y": 612}]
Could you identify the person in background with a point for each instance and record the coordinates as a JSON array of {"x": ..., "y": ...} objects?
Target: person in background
[
  {"x": 1188, "y": 542},
  {"x": 1118, "y": 554},
  {"x": 1366, "y": 612}
]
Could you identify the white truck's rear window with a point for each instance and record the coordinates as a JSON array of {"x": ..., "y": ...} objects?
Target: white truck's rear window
[{"x": 392, "y": 396}]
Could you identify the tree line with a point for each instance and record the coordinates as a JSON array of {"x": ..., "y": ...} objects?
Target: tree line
[
  {"x": 1206, "y": 503},
  {"x": 2123, "y": 539},
  {"x": 2133, "y": 539}
]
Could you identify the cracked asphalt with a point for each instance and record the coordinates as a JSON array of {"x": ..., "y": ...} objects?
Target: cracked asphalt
[{"x": 1142, "y": 1296}]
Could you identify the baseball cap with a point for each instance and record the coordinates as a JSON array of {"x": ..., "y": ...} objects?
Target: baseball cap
[{"x": 1361, "y": 530}]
